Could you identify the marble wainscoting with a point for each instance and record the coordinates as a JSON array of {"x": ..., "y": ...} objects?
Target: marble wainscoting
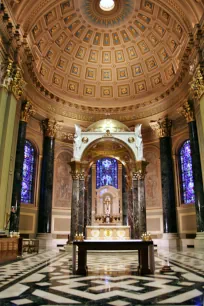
[{"x": 47, "y": 279}]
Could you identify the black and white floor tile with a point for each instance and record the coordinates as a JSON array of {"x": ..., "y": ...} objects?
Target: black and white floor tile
[{"x": 47, "y": 279}]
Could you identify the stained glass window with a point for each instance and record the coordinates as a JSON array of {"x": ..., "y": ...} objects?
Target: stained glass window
[
  {"x": 27, "y": 187},
  {"x": 106, "y": 172},
  {"x": 187, "y": 182}
]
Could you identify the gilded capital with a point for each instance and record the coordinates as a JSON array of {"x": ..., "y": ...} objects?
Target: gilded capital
[
  {"x": 27, "y": 110},
  {"x": 75, "y": 170},
  {"x": 162, "y": 127},
  {"x": 187, "y": 111},
  {"x": 50, "y": 127},
  {"x": 17, "y": 83},
  {"x": 197, "y": 84},
  {"x": 140, "y": 170},
  {"x": 6, "y": 73}
]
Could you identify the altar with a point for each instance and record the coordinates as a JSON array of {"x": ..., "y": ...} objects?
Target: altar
[{"x": 108, "y": 232}]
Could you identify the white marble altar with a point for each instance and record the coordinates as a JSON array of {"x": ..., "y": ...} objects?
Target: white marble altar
[{"x": 108, "y": 232}]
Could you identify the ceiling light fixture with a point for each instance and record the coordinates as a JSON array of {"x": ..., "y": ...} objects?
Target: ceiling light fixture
[{"x": 107, "y": 5}]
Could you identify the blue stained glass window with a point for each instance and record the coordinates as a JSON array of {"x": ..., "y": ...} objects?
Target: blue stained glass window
[
  {"x": 106, "y": 172},
  {"x": 27, "y": 187},
  {"x": 187, "y": 182}
]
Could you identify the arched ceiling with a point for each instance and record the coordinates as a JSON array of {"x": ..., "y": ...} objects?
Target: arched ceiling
[{"x": 127, "y": 59}]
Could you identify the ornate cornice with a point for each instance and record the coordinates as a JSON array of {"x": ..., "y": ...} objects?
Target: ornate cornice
[
  {"x": 50, "y": 127},
  {"x": 27, "y": 110},
  {"x": 162, "y": 127},
  {"x": 187, "y": 111}
]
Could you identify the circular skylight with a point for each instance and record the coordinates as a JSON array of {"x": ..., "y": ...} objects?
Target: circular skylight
[{"x": 107, "y": 5}]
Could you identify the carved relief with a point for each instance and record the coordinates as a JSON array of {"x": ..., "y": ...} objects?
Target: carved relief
[
  {"x": 63, "y": 182},
  {"x": 152, "y": 180}
]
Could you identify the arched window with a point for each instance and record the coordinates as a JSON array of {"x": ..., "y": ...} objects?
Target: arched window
[
  {"x": 27, "y": 187},
  {"x": 106, "y": 172},
  {"x": 187, "y": 182}
]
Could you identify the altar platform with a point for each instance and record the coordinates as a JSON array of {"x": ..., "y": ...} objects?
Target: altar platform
[{"x": 108, "y": 232}]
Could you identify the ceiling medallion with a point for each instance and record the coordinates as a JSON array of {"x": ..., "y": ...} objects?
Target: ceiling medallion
[{"x": 107, "y": 5}]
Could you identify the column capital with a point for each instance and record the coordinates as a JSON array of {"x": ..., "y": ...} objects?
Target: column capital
[
  {"x": 140, "y": 170},
  {"x": 27, "y": 110},
  {"x": 6, "y": 71},
  {"x": 76, "y": 171},
  {"x": 162, "y": 127},
  {"x": 197, "y": 83},
  {"x": 50, "y": 127},
  {"x": 187, "y": 111},
  {"x": 17, "y": 83}
]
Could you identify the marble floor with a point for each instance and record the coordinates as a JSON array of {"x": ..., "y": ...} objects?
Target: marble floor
[{"x": 47, "y": 279}]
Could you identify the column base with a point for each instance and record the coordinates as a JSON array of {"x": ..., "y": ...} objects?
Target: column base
[
  {"x": 199, "y": 241},
  {"x": 45, "y": 240},
  {"x": 169, "y": 241}
]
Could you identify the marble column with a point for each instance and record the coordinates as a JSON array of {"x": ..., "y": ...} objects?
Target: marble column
[
  {"x": 187, "y": 111},
  {"x": 130, "y": 211},
  {"x": 163, "y": 128},
  {"x": 26, "y": 111},
  {"x": 139, "y": 203},
  {"x": 81, "y": 229},
  {"x": 124, "y": 197},
  {"x": 89, "y": 198},
  {"x": 46, "y": 186}
]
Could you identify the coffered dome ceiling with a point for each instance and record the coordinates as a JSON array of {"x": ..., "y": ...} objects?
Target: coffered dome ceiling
[{"x": 128, "y": 57}]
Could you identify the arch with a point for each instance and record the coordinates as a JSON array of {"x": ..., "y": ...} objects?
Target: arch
[
  {"x": 186, "y": 173},
  {"x": 29, "y": 171}
]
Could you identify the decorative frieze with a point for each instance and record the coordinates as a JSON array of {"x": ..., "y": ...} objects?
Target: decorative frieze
[
  {"x": 162, "y": 127},
  {"x": 27, "y": 110},
  {"x": 187, "y": 111}
]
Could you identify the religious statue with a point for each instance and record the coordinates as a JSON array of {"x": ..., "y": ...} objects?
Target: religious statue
[
  {"x": 77, "y": 142},
  {"x": 139, "y": 142},
  {"x": 107, "y": 203}
]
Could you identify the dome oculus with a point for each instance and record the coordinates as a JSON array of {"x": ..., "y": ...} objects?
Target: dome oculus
[{"x": 107, "y": 5}]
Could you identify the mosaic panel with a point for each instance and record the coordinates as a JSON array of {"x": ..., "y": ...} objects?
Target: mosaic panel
[
  {"x": 89, "y": 90},
  {"x": 76, "y": 70},
  {"x": 156, "y": 80},
  {"x": 73, "y": 86},
  {"x": 93, "y": 56},
  {"x": 148, "y": 6},
  {"x": 106, "y": 57},
  {"x": 144, "y": 18},
  {"x": 169, "y": 72},
  {"x": 159, "y": 30},
  {"x": 106, "y": 74},
  {"x": 73, "y": 26},
  {"x": 44, "y": 71},
  {"x": 153, "y": 40},
  {"x": 106, "y": 91},
  {"x": 172, "y": 44},
  {"x": 69, "y": 18},
  {"x": 106, "y": 39},
  {"x": 80, "y": 31},
  {"x": 151, "y": 63},
  {"x": 81, "y": 52},
  {"x": 91, "y": 73},
  {"x": 133, "y": 31},
  {"x": 164, "y": 16},
  {"x": 61, "y": 39},
  {"x": 88, "y": 36},
  {"x": 163, "y": 55},
  {"x": 116, "y": 40},
  {"x": 139, "y": 25},
  {"x": 143, "y": 47},
  {"x": 70, "y": 46},
  {"x": 125, "y": 36},
  {"x": 57, "y": 80},
  {"x": 131, "y": 53},
  {"x": 140, "y": 87},
  {"x": 137, "y": 70},
  {"x": 67, "y": 6},
  {"x": 122, "y": 73},
  {"x": 62, "y": 63},
  {"x": 97, "y": 39},
  {"x": 55, "y": 29},
  {"x": 119, "y": 56},
  {"x": 50, "y": 17},
  {"x": 123, "y": 90}
]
